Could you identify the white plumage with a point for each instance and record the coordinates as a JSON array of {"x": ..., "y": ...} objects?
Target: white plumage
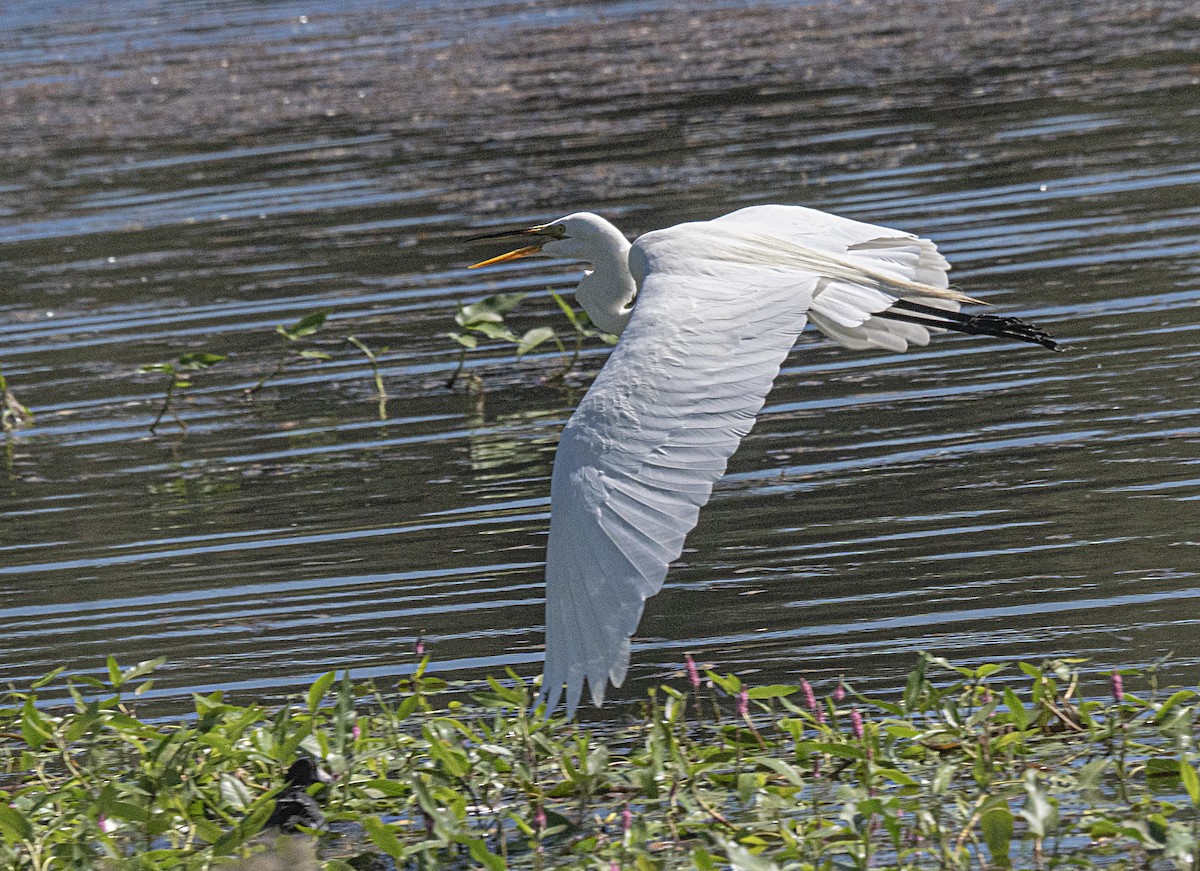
[{"x": 719, "y": 305}]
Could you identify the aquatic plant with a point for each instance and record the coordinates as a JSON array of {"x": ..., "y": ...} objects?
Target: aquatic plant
[
  {"x": 487, "y": 318},
  {"x": 12, "y": 413},
  {"x": 302, "y": 329},
  {"x": 958, "y": 771},
  {"x": 178, "y": 379},
  {"x": 373, "y": 358}
]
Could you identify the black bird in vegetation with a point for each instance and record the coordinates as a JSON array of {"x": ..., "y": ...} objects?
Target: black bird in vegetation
[{"x": 294, "y": 807}]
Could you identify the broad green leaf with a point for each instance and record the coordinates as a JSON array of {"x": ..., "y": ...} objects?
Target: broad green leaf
[
  {"x": 114, "y": 671},
  {"x": 199, "y": 360},
  {"x": 1191, "y": 782},
  {"x": 479, "y": 852},
  {"x": 465, "y": 339},
  {"x": 317, "y": 691},
  {"x": 1017, "y": 709},
  {"x": 1039, "y": 810},
  {"x": 14, "y": 827},
  {"x": 728, "y": 682},
  {"x": 383, "y": 836},
  {"x": 390, "y": 788},
  {"x": 1091, "y": 774},
  {"x": 234, "y": 793},
  {"x": 789, "y": 772},
  {"x": 997, "y": 825},
  {"x": 494, "y": 331},
  {"x": 533, "y": 338},
  {"x": 896, "y": 776},
  {"x": 35, "y": 729},
  {"x": 306, "y": 326}
]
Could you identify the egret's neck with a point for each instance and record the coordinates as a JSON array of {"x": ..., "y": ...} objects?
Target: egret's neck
[{"x": 607, "y": 290}]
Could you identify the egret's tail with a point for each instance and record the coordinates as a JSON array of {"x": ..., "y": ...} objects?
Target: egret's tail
[{"x": 975, "y": 325}]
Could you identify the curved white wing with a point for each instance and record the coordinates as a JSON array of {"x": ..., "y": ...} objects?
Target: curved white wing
[
  {"x": 889, "y": 252},
  {"x": 720, "y": 305}
]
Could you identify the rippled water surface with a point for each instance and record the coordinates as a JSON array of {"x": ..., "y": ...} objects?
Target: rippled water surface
[{"x": 185, "y": 177}]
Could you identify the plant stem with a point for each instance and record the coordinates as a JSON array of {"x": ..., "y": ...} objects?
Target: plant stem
[
  {"x": 250, "y": 391},
  {"x": 166, "y": 406}
]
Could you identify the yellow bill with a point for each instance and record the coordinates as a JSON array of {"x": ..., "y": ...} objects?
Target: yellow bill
[{"x": 511, "y": 255}]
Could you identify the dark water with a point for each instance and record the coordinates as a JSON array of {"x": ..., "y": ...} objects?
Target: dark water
[{"x": 184, "y": 177}]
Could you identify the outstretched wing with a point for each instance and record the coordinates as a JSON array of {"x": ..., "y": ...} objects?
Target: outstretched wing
[{"x": 719, "y": 306}]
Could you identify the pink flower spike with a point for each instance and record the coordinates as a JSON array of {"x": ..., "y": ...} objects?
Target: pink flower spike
[
  {"x": 356, "y": 732},
  {"x": 420, "y": 645},
  {"x": 743, "y": 703},
  {"x": 839, "y": 692},
  {"x": 539, "y": 819},
  {"x": 1118, "y": 686},
  {"x": 693, "y": 673},
  {"x": 810, "y": 698},
  {"x": 626, "y": 820},
  {"x": 856, "y": 723}
]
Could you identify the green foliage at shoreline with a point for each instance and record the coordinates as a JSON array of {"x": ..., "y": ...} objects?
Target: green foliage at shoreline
[{"x": 970, "y": 768}]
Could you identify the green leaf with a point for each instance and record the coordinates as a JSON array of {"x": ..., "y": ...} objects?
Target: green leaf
[
  {"x": 35, "y": 730},
  {"x": 45, "y": 679},
  {"x": 317, "y": 691},
  {"x": 729, "y": 682},
  {"x": 494, "y": 330},
  {"x": 465, "y": 339},
  {"x": 114, "y": 672},
  {"x": 1017, "y": 709},
  {"x": 789, "y": 772},
  {"x": 774, "y": 691},
  {"x": 896, "y": 776},
  {"x": 315, "y": 355},
  {"x": 383, "y": 836},
  {"x": 390, "y": 788},
  {"x": 1171, "y": 702},
  {"x": 997, "y": 826},
  {"x": 142, "y": 668},
  {"x": 1038, "y": 811},
  {"x": 234, "y": 793},
  {"x": 533, "y": 338},
  {"x": 306, "y": 326},
  {"x": 199, "y": 360},
  {"x": 1191, "y": 782},
  {"x": 14, "y": 827},
  {"x": 480, "y": 853}
]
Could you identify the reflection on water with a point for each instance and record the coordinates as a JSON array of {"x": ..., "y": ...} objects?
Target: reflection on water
[{"x": 186, "y": 179}]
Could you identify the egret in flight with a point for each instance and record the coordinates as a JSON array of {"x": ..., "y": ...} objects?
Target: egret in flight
[{"x": 707, "y": 312}]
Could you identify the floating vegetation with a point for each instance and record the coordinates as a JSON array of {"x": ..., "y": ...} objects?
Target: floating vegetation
[{"x": 961, "y": 771}]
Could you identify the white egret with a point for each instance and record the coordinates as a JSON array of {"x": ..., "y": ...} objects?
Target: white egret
[{"x": 707, "y": 312}]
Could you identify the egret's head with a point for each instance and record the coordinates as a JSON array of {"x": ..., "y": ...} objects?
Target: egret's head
[{"x": 576, "y": 237}]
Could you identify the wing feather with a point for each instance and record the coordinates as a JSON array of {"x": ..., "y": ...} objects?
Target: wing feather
[{"x": 640, "y": 456}]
